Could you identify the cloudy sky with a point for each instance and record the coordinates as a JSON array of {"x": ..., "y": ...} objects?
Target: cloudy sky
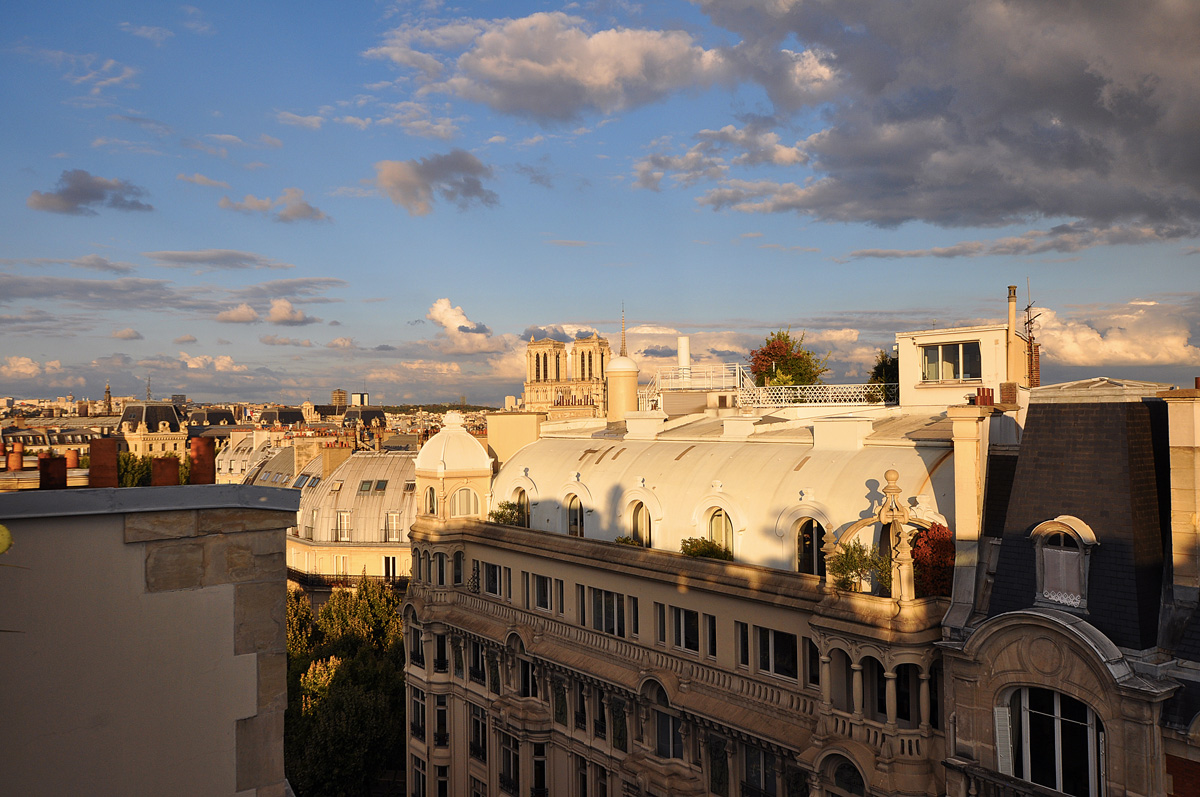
[{"x": 264, "y": 201}]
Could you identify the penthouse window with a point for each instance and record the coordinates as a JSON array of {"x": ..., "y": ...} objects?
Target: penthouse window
[
  {"x": 685, "y": 624},
  {"x": 949, "y": 362},
  {"x": 640, "y": 524},
  {"x": 720, "y": 528},
  {"x": 608, "y": 612},
  {"x": 1063, "y": 548},
  {"x": 491, "y": 579},
  {"x": 574, "y": 516},
  {"x": 464, "y": 502},
  {"x": 809, "y": 536},
  {"x": 777, "y": 652}
]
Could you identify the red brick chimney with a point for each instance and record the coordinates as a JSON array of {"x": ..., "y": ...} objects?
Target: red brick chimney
[
  {"x": 202, "y": 451},
  {"x": 103, "y": 469}
]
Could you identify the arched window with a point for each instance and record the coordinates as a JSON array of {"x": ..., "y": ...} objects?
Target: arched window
[
  {"x": 521, "y": 499},
  {"x": 843, "y": 778},
  {"x": 668, "y": 727},
  {"x": 640, "y": 525},
  {"x": 809, "y": 536},
  {"x": 590, "y": 373},
  {"x": 1051, "y": 739},
  {"x": 557, "y": 366},
  {"x": 574, "y": 516},
  {"x": 841, "y": 680},
  {"x": 720, "y": 528},
  {"x": 537, "y": 368},
  {"x": 416, "y": 566},
  {"x": 1063, "y": 547},
  {"x": 464, "y": 503}
]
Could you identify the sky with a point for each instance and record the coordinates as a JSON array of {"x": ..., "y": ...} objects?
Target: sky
[{"x": 265, "y": 201}]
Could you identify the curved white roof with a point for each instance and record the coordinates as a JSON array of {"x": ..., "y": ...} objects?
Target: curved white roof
[
  {"x": 622, "y": 364},
  {"x": 453, "y": 450},
  {"x": 764, "y": 486}
]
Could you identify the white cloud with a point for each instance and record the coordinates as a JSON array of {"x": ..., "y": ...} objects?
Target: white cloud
[
  {"x": 270, "y": 141},
  {"x": 222, "y": 363},
  {"x": 461, "y": 335},
  {"x": 290, "y": 206},
  {"x": 289, "y": 118},
  {"x": 283, "y": 313},
  {"x": 276, "y": 340},
  {"x": 150, "y": 32},
  {"x": 242, "y": 314},
  {"x": 456, "y": 176},
  {"x": 1136, "y": 334},
  {"x": 341, "y": 343},
  {"x": 184, "y": 339},
  {"x": 200, "y": 179},
  {"x": 129, "y": 333},
  {"x": 19, "y": 368}
]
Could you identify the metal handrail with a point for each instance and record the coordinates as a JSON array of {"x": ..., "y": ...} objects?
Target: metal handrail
[{"x": 306, "y": 579}]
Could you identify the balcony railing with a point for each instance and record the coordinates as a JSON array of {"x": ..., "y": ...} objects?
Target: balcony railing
[
  {"x": 329, "y": 580},
  {"x": 600, "y": 727},
  {"x": 979, "y": 781},
  {"x": 581, "y": 720},
  {"x": 418, "y": 731},
  {"x": 478, "y": 751},
  {"x": 417, "y": 658},
  {"x": 793, "y": 395},
  {"x": 477, "y": 675},
  {"x": 539, "y": 791},
  {"x": 441, "y": 665},
  {"x": 508, "y": 784},
  {"x": 441, "y": 739}
]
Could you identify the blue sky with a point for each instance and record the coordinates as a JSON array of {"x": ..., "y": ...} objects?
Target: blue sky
[{"x": 264, "y": 201}]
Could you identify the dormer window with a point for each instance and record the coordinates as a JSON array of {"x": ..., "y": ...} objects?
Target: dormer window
[
  {"x": 951, "y": 362},
  {"x": 1062, "y": 548}
]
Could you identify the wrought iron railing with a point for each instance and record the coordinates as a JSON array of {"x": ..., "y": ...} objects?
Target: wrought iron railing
[
  {"x": 417, "y": 658},
  {"x": 418, "y": 731},
  {"x": 477, "y": 675},
  {"x": 441, "y": 665},
  {"x": 306, "y": 579},
  {"x": 478, "y": 751},
  {"x": 441, "y": 739},
  {"x": 581, "y": 721},
  {"x": 979, "y": 781},
  {"x": 508, "y": 784}
]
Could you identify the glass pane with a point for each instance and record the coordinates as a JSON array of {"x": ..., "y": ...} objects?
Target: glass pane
[
  {"x": 1042, "y": 764},
  {"x": 1075, "y": 765},
  {"x": 951, "y": 365},
  {"x": 785, "y": 654},
  {"x": 929, "y": 364},
  {"x": 971, "y": 366}
]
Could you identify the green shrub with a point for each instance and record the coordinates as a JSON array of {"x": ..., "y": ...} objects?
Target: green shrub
[
  {"x": 625, "y": 541},
  {"x": 508, "y": 513},
  {"x": 855, "y": 562},
  {"x": 706, "y": 548}
]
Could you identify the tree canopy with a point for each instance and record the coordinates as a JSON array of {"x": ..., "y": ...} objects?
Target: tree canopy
[
  {"x": 783, "y": 360},
  {"x": 886, "y": 370}
]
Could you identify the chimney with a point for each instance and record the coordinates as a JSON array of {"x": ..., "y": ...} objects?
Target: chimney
[
  {"x": 102, "y": 472},
  {"x": 1183, "y": 440},
  {"x": 685, "y": 358},
  {"x": 202, "y": 452},
  {"x": 1012, "y": 309},
  {"x": 1035, "y": 370},
  {"x": 52, "y": 473},
  {"x": 164, "y": 472}
]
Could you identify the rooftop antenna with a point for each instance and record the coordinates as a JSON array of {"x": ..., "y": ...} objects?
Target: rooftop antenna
[
  {"x": 148, "y": 387},
  {"x": 623, "y": 352},
  {"x": 1029, "y": 315}
]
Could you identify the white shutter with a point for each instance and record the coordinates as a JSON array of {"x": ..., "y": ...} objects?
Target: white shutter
[{"x": 1004, "y": 754}]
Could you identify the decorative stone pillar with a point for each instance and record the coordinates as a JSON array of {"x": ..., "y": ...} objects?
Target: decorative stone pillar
[
  {"x": 889, "y": 681},
  {"x": 926, "y": 723},
  {"x": 856, "y": 690}
]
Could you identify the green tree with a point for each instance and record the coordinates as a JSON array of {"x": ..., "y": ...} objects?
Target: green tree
[
  {"x": 508, "y": 513},
  {"x": 132, "y": 470},
  {"x": 783, "y": 360},
  {"x": 705, "y": 548},
  {"x": 854, "y": 563},
  {"x": 886, "y": 370},
  {"x": 346, "y": 697}
]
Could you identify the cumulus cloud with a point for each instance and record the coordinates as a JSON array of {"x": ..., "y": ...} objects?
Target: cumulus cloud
[
  {"x": 276, "y": 340},
  {"x": 242, "y": 314},
  {"x": 1140, "y": 333},
  {"x": 184, "y": 339},
  {"x": 149, "y": 32},
  {"x": 549, "y": 67},
  {"x": 79, "y": 191},
  {"x": 716, "y": 151},
  {"x": 222, "y": 362},
  {"x": 128, "y": 333},
  {"x": 288, "y": 118},
  {"x": 200, "y": 179},
  {"x": 289, "y": 206},
  {"x": 341, "y": 343},
  {"x": 461, "y": 335},
  {"x": 283, "y": 313},
  {"x": 210, "y": 259},
  {"x": 22, "y": 368},
  {"x": 986, "y": 113},
  {"x": 456, "y": 177}
]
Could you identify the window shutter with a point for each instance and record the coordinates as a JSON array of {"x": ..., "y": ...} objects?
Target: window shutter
[{"x": 1004, "y": 753}]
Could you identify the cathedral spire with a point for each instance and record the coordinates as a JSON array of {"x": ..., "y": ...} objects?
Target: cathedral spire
[{"x": 623, "y": 352}]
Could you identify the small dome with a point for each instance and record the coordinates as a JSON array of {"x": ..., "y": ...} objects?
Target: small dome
[
  {"x": 453, "y": 449},
  {"x": 622, "y": 365}
]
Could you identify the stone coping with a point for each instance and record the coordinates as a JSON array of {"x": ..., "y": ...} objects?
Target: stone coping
[{"x": 125, "y": 500}]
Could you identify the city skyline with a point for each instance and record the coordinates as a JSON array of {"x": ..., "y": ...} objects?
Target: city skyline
[{"x": 259, "y": 203}]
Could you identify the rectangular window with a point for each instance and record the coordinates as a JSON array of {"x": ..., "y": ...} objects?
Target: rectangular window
[
  {"x": 660, "y": 623},
  {"x": 510, "y": 764},
  {"x": 541, "y": 593},
  {"x": 581, "y": 776},
  {"x": 478, "y": 744},
  {"x": 950, "y": 362},
  {"x": 443, "y": 781},
  {"x": 710, "y": 634},
  {"x": 580, "y": 606},
  {"x": 813, "y": 655},
  {"x": 391, "y": 527},
  {"x": 341, "y": 565},
  {"x": 478, "y": 788},
  {"x": 685, "y": 625},
  {"x": 343, "y": 525},
  {"x": 410, "y": 486},
  {"x": 478, "y": 671},
  {"x": 529, "y": 684},
  {"x": 301, "y": 482},
  {"x": 439, "y": 569},
  {"x": 365, "y": 486},
  {"x": 558, "y": 591},
  {"x": 417, "y": 714},
  {"x": 633, "y": 615},
  {"x": 491, "y": 579},
  {"x": 608, "y": 612},
  {"x": 776, "y": 652},
  {"x": 760, "y": 771},
  {"x": 336, "y": 486},
  {"x": 419, "y": 784},
  {"x": 508, "y": 584},
  {"x": 669, "y": 735},
  {"x": 381, "y": 485},
  {"x": 389, "y": 568},
  {"x": 743, "y": 643}
]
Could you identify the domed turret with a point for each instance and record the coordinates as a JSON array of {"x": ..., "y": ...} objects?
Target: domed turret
[{"x": 453, "y": 472}]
